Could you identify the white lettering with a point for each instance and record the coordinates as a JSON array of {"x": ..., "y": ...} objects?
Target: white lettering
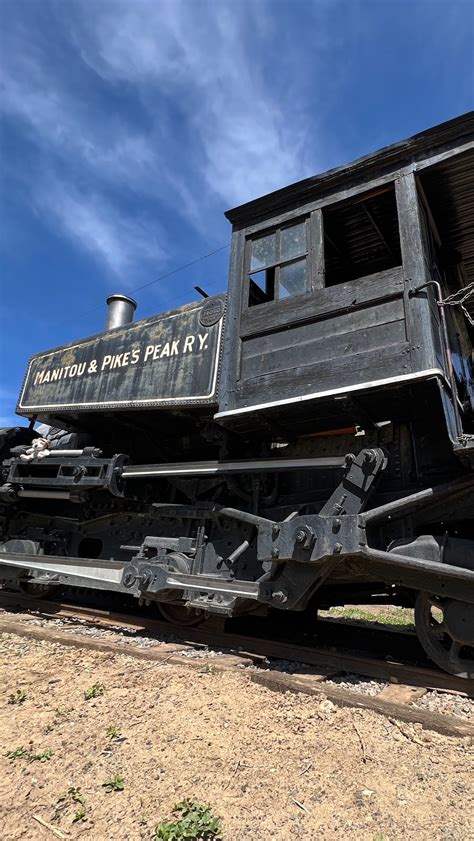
[{"x": 110, "y": 362}]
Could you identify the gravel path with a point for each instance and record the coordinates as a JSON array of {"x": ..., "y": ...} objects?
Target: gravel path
[{"x": 274, "y": 767}]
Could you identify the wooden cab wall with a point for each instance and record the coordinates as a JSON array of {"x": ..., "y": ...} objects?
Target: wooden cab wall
[{"x": 323, "y": 287}]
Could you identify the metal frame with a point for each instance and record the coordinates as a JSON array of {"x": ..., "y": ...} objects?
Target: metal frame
[{"x": 300, "y": 551}]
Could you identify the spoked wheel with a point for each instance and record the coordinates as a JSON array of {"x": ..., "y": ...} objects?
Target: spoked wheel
[
  {"x": 178, "y": 614},
  {"x": 445, "y": 628}
]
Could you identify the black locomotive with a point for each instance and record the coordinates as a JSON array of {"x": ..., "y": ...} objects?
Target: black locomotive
[{"x": 305, "y": 440}]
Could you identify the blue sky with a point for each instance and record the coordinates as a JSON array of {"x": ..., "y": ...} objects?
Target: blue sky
[{"x": 129, "y": 126}]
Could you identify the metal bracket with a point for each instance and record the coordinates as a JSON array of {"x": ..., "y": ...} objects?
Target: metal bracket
[
  {"x": 358, "y": 483},
  {"x": 67, "y": 475}
]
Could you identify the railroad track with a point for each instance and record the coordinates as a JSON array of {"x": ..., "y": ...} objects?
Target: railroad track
[{"x": 406, "y": 682}]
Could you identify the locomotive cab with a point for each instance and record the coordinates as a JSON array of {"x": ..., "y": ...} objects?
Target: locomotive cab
[{"x": 339, "y": 301}]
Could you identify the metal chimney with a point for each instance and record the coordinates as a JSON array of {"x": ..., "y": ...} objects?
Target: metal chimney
[{"x": 121, "y": 309}]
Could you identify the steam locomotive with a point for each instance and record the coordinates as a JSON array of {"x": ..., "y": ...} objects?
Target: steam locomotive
[{"x": 302, "y": 441}]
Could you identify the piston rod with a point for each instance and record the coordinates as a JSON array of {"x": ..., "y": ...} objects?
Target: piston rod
[{"x": 216, "y": 468}]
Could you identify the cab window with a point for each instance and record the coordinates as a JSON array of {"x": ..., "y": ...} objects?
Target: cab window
[{"x": 277, "y": 264}]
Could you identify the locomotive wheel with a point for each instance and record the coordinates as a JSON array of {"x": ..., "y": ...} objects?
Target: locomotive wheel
[
  {"x": 445, "y": 628},
  {"x": 178, "y": 614},
  {"x": 39, "y": 591}
]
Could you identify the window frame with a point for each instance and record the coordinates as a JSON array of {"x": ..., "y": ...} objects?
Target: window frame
[
  {"x": 310, "y": 269},
  {"x": 361, "y": 197}
]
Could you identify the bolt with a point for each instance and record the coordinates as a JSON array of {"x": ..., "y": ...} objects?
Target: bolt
[
  {"x": 145, "y": 578},
  {"x": 280, "y": 597},
  {"x": 337, "y": 548},
  {"x": 305, "y": 537},
  {"x": 275, "y": 552},
  {"x": 129, "y": 579},
  {"x": 275, "y": 530}
]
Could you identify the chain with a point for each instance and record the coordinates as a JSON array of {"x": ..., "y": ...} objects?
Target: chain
[{"x": 458, "y": 298}]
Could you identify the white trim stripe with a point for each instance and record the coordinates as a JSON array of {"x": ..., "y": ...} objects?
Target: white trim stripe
[{"x": 302, "y": 398}]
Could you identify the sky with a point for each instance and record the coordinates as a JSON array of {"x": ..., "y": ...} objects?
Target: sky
[{"x": 130, "y": 126}]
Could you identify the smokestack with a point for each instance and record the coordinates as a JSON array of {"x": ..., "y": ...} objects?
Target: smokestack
[{"x": 121, "y": 309}]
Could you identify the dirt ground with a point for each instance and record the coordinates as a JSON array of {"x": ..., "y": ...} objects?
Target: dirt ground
[{"x": 272, "y": 766}]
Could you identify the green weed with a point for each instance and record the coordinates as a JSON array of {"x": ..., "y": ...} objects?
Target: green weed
[
  {"x": 194, "y": 822},
  {"x": 75, "y": 795},
  {"x": 113, "y": 732},
  {"x": 19, "y": 753},
  {"x": 94, "y": 691},
  {"x": 79, "y": 814},
  {"x": 44, "y": 756},
  {"x": 64, "y": 801},
  {"x": 115, "y": 783},
  {"x": 17, "y": 697},
  {"x": 23, "y": 753}
]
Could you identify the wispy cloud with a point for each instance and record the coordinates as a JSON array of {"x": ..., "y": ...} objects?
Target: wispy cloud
[
  {"x": 168, "y": 103},
  {"x": 246, "y": 138},
  {"x": 120, "y": 240}
]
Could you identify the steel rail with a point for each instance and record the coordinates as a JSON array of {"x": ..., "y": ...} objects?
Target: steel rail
[{"x": 394, "y": 672}]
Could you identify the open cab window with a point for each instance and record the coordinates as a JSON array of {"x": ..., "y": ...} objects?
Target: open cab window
[{"x": 361, "y": 236}]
